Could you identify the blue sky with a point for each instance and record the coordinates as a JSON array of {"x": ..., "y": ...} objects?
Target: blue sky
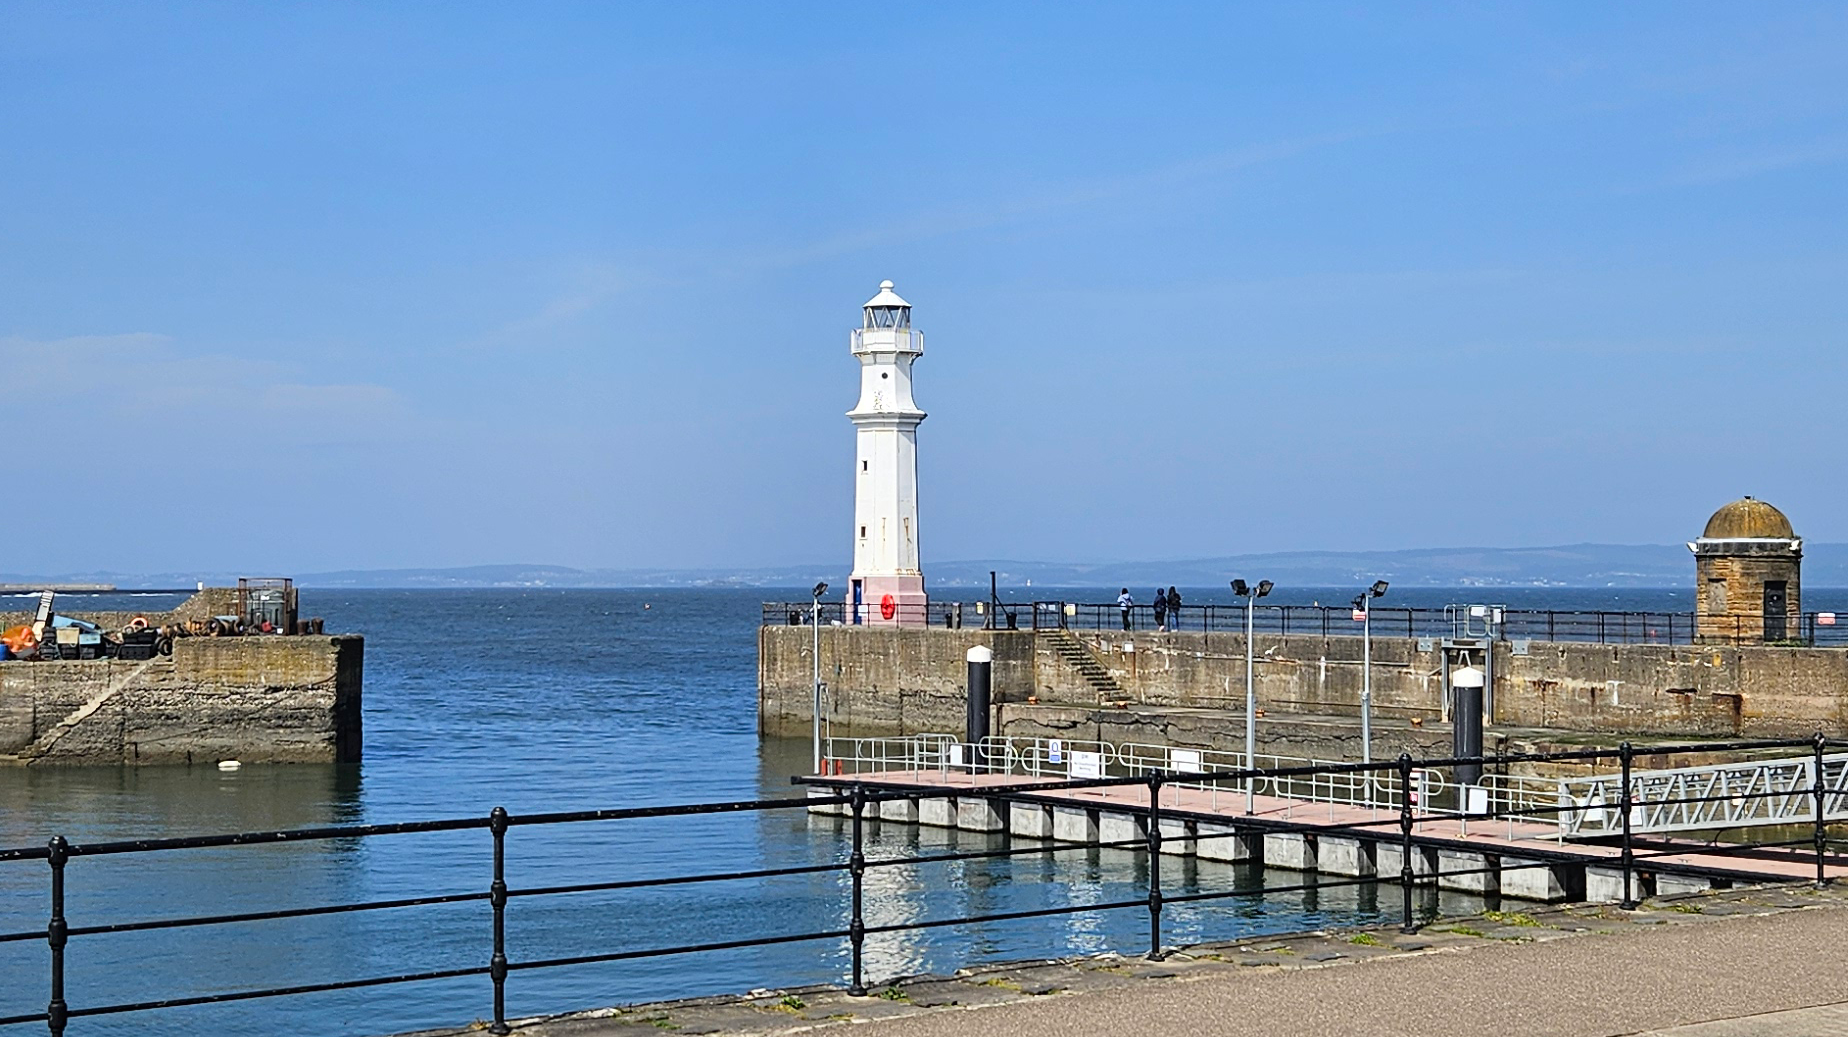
[{"x": 302, "y": 287}]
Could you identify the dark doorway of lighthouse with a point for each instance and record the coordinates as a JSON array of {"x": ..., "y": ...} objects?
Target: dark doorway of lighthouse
[{"x": 1774, "y": 610}]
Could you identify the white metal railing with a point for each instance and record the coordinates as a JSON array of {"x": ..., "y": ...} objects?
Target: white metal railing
[{"x": 1076, "y": 759}]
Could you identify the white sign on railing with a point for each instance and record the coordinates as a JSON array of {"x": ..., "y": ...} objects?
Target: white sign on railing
[
  {"x": 956, "y": 755},
  {"x": 1087, "y": 765},
  {"x": 1055, "y": 751},
  {"x": 1185, "y": 761}
]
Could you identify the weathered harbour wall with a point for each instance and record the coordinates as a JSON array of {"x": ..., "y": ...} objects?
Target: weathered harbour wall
[
  {"x": 255, "y": 699},
  {"x": 885, "y": 681},
  {"x": 902, "y": 680}
]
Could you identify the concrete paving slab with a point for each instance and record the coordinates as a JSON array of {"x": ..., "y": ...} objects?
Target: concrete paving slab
[
  {"x": 1820, "y": 1021},
  {"x": 1573, "y": 971}
]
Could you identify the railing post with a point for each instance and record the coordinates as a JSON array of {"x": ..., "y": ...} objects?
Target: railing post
[
  {"x": 1154, "y": 838},
  {"x": 856, "y": 866},
  {"x": 1624, "y": 803},
  {"x": 56, "y": 933},
  {"x": 1822, "y": 878},
  {"x": 1405, "y": 840},
  {"x": 497, "y": 896}
]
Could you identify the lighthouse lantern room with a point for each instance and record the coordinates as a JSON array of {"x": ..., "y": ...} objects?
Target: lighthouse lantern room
[{"x": 887, "y": 585}]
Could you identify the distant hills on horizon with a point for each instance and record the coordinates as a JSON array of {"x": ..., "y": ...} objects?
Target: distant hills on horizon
[{"x": 1575, "y": 565}]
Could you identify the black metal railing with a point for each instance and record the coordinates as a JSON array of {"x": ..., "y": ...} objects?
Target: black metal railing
[
  {"x": 856, "y": 794},
  {"x": 951, "y": 614},
  {"x": 1600, "y": 626}
]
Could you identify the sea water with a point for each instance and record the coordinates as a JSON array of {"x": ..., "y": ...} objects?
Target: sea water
[{"x": 543, "y": 700}]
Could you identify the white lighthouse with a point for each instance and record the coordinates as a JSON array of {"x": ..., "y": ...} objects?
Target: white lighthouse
[{"x": 887, "y": 586}]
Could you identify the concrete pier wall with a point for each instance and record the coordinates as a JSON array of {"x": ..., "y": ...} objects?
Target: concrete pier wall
[
  {"x": 882, "y": 680},
  {"x": 256, "y": 699},
  {"x": 887, "y": 681},
  {"x": 253, "y": 699}
]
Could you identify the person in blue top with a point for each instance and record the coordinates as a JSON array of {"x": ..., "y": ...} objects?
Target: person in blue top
[{"x": 1125, "y": 602}]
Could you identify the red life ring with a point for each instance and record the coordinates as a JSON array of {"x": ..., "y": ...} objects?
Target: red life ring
[{"x": 887, "y": 607}]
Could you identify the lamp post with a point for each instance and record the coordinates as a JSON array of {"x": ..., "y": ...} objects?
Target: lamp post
[
  {"x": 1363, "y": 604},
  {"x": 815, "y": 658},
  {"x": 1251, "y": 594}
]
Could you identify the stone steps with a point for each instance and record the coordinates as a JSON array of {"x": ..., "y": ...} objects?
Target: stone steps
[{"x": 1075, "y": 655}]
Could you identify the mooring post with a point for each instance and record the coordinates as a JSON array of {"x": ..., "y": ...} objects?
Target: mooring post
[
  {"x": 856, "y": 866},
  {"x": 497, "y": 896},
  {"x": 56, "y": 933},
  {"x": 979, "y": 661},
  {"x": 1154, "y": 839},
  {"x": 1405, "y": 840},
  {"x": 1822, "y": 878},
  {"x": 1624, "y": 753}
]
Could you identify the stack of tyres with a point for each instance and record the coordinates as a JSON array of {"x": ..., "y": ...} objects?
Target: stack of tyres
[{"x": 139, "y": 644}]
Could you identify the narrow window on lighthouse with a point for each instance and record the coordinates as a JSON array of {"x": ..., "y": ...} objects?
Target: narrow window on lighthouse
[
  {"x": 862, "y": 532},
  {"x": 862, "y": 466}
]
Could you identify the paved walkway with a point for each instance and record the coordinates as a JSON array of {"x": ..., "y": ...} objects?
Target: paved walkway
[
  {"x": 1658, "y": 981},
  {"x": 1798, "y": 1022},
  {"x": 1762, "y": 962}
]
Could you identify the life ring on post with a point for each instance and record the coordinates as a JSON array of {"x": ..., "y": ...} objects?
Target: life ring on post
[
  {"x": 138, "y": 623},
  {"x": 887, "y": 607}
]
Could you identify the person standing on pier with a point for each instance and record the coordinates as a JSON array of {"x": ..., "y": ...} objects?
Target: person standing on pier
[
  {"x": 1125, "y": 602},
  {"x": 1161, "y": 611},
  {"x": 1174, "y": 609}
]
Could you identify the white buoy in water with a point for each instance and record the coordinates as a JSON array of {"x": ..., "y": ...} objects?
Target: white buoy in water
[{"x": 228, "y": 765}]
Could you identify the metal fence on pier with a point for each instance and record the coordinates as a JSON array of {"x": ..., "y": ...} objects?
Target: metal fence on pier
[{"x": 1812, "y": 629}]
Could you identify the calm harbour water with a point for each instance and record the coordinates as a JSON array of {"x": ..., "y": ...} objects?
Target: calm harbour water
[{"x": 555, "y": 700}]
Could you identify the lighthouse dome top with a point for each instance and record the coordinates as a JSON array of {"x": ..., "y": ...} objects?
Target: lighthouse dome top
[
  {"x": 887, "y": 309},
  {"x": 1747, "y": 518},
  {"x": 886, "y": 297}
]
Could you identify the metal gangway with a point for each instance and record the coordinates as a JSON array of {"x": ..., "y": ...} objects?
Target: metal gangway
[{"x": 1746, "y": 794}]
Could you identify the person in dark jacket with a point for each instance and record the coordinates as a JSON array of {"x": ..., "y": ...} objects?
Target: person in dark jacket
[
  {"x": 1174, "y": 609},
  {"x": 1161, "y": 610}
]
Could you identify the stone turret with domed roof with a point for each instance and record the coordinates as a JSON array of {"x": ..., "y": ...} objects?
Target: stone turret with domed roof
[{"x": 1747, "y": 564}]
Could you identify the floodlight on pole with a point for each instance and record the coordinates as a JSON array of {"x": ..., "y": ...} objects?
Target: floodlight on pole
[
  {"x": 1363, "y": 604},
  {"x": 815, "y": 660},
  {"x": 1250, "y": 594}
]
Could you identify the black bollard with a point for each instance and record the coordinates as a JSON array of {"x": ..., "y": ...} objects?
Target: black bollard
[
  {"x": 1466, "y": 725},
  {"x": 981, "y": 684}
]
